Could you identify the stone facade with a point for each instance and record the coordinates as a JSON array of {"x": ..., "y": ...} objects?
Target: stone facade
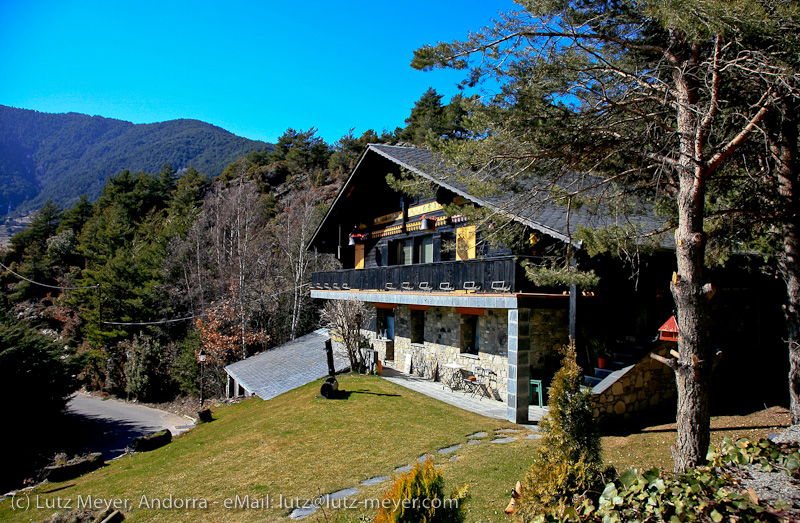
[
  {"x": 549, "y": 332},
  {"x": 645, "y": 386},
  {"x": 442, "y": 341}
]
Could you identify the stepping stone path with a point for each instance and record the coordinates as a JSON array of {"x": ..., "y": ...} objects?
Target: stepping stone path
[
  {"x": 339, "y": 494},
  {"x": 374, "y": 481},
  {"x": 472, "y": 439},
  {"x": 302, "y": 512}
]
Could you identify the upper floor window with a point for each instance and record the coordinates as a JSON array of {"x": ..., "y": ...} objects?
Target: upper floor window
[{"x": 411, "y": 250}]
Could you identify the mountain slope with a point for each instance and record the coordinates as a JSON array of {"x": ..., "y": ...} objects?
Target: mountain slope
[{"x": 61, "y": 156}]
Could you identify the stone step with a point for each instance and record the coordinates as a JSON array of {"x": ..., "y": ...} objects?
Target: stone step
[
  {"x": 602, "y": 373},
  {"x": 591, "y": 381}
]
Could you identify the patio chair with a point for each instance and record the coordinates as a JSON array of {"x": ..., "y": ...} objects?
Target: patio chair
[{"x": 470, "y": 382}]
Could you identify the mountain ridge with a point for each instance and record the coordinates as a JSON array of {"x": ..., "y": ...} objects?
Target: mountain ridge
[{"x": 59, "y": 156}]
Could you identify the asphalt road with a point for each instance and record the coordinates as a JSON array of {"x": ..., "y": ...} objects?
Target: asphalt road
[{"x": 109, "y": 426}]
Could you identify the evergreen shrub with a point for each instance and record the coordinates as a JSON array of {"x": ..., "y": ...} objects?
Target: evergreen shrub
[
  {"x": 418, "y": 496},
  {"x": 568, "y": 462}
]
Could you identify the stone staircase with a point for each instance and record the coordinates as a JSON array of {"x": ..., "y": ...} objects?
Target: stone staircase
[{"x": 623, "y": 356}]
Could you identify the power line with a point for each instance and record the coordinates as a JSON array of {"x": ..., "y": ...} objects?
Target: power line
[
  {"x": 142, "y": 323},
  {"x": 46, "y": 285},
  {"x": 153, "y": 322},
  {"x": 133, "y": 324}
]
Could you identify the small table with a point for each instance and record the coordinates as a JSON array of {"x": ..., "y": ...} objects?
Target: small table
[{"x": 454, "y": 380}]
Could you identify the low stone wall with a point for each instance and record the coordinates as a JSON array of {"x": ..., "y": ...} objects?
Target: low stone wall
[{"x": 645, "y": 386}]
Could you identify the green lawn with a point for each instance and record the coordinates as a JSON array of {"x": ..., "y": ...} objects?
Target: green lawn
[{"x": 297, "y": 446}]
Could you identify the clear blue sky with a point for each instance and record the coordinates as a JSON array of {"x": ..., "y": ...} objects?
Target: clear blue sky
[{"x": 254, "y": 68}]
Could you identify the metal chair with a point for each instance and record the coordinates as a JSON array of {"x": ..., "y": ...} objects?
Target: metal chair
[{"x": 469, "y": 381}]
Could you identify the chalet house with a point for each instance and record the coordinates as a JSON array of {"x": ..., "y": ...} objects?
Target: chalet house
[{"x": 446, "y": 299}]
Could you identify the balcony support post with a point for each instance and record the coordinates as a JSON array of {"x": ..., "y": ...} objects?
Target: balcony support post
[{"x": 519, "y": 368}]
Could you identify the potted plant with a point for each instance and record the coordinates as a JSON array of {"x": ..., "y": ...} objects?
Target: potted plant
[
  {"x": 358, "y": 237},
  {"x": 427, "y": 223},
  {"x": 599, "y": 349}
]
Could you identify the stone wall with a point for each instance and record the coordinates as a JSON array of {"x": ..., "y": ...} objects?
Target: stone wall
[
  {"x": 549, "y": 332},
  {"x": 645, "y": 386},
  {"x": 442, "y": 341}
]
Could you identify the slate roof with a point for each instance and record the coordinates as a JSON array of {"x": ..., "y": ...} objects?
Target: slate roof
[
  {"x": 288, "y": 366},
  {"x": 540, "y": 214}
]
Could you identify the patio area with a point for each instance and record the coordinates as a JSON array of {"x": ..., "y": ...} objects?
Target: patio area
[{"x": 485, "y": 406}]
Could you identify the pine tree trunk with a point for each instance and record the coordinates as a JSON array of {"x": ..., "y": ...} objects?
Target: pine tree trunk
[
  {"x": 693, "y": 369},
  {"x": 783, "y": 139}
]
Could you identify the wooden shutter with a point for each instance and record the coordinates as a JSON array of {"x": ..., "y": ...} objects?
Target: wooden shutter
[
  {"x": 359, "y": 256},
  {"x": 465, "y": 243}
]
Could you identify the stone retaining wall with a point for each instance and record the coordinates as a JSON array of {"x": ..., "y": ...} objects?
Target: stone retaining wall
[{"x": 645, "y": 386}]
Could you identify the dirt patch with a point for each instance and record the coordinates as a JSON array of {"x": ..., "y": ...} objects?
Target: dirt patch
[{"x": 650, "y": 446}]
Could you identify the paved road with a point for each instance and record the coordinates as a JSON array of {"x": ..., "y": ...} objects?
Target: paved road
[{"x": 111, "y": 424}]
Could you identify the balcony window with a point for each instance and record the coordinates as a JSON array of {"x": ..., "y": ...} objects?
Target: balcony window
[
  {"x": 426, "y": 249},
  {"x": 412, "y": 250}
]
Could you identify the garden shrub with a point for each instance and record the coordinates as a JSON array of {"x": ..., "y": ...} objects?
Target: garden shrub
[
  {"x": 568, "y": 463},
  {"x": 704, "y": 494},
  {"x": 418, "y": 497}
]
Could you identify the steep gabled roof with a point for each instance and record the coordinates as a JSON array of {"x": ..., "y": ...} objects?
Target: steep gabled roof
[{"x": 542, "y": 215}]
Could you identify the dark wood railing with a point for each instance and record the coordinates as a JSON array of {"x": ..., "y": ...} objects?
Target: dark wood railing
[{"x": 485, "y": 275}]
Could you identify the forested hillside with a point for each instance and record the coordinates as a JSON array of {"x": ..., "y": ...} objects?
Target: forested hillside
[
  {"x": 59, "y": 157},
  {"x": 119, "y": 293}
]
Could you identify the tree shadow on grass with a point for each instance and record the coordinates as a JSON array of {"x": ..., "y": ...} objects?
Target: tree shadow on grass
[{"x": 345, "y": 394}]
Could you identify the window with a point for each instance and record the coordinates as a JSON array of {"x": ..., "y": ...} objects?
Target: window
[
  {"x": 411, "y": 250},
  {"x": 385, "y": 323},
  {"x": 470, "y": 342},
  {"x": 426, "y": 249},
  {"x": 403, "y": 251},
  {"x": 417, "y": 326}
]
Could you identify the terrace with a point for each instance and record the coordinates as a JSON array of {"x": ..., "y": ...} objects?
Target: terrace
[{"x": 497, "y": 275}]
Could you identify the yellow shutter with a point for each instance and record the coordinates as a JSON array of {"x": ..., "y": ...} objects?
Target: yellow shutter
[
  {"x": 359, "y": 256},
  {"x": 465, "y": 243}
]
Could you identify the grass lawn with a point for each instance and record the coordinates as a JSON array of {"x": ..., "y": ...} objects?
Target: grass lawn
[{"x": 298, "y": 446}]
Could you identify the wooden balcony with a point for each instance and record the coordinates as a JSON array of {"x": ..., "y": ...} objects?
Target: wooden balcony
[{"x": 496, "y": 275}]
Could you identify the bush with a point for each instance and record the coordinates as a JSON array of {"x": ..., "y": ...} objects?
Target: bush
[
  {"x": 418, "y": 496},
  {"x": 145, "y": 378},
  {"x": 568, "y": 463}
]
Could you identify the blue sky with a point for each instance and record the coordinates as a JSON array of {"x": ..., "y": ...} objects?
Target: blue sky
[{"x": 253, "y": 68}]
